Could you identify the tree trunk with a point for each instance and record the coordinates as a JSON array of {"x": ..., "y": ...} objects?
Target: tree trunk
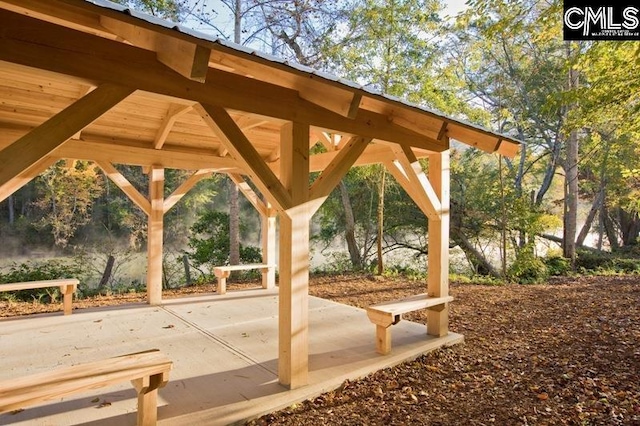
[
  {"x": 595, "y": 208},
  {"x": 571, "y": 183},
  {"x": 610, "y": 230},
  {"x": 106, "y": 275},
  {"x": 11, "y": 207},
  {"x": 629, "y": 227},
  {"x": 234, "y": 225},
  {"x": 380, "y": 236},
  {"x": 234, "y": 209},
  {"x": 350, "y": 228},
  {"x": 477, "y": 259},
  {"x": 187, "y": 270}
]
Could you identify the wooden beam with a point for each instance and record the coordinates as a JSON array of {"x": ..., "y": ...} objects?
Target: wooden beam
[
  {"x": 417, "y": 179},
  {"x": 174, "y": 112},
  {"x": 41, "y": 45},
  {"x": 190, "y": 60},
  {"x": 138, "y": 154},
  {"x": 182, "y": 190},
  {"x": 241, "y": 149},
  {"x": 395, "y": 168},
  {"x": 332, "y": 97},
  {"x": 26, "y": 176},
  {"x": 293, "y": 341},
  {"x": 155, "y": 236},
  {"x": 250, "y": 194},
  {"x": 339, "y": 166},
  {"x": 438, "y": 256},
  {"x": 355, "y": 105},
  {"x": 268, "y": 237},
  {"x": 121, "y": 182},
  {"x": 41, "y": 141}
]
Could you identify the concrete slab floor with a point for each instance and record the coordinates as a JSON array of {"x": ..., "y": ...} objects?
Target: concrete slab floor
[{"x": 224, "y": 349}]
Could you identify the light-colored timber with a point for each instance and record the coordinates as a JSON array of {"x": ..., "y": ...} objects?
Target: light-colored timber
[
  {"x": 89, "y": 81},
  {"x": 224, "y": 272},
  {"x": 67, "y": 286},
  {"x": 147, "y": 371},
  {"x": 384, "y": 315}
]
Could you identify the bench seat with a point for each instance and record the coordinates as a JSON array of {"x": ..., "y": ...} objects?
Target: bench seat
[
  {"x": 68, "y": 286},
  {"x": 147, "y": 371},
  {"x": 384, "y": 315},
  {"x": 223, "y": 272}
]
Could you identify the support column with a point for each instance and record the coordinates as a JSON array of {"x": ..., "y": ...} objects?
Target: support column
[
  {"x": 293, "y": 342},
  {"x": 154, "y": 235},
  {"x": 268, "y": 247},
  {"x": 438, "y": 269}
]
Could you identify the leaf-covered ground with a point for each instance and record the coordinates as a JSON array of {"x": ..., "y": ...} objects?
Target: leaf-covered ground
[{"x": 566, "y": 352}]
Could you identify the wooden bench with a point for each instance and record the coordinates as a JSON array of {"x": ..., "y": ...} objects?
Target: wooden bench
[
  {"x": 384, "y": 315},
  {"x": 223, "y": 272},
  {"x": 147, "y": 371},
  {"x": 68, "y": 286}
]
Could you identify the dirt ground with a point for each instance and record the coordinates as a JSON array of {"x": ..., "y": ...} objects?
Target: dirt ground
[{"x": 566, "y": 352}]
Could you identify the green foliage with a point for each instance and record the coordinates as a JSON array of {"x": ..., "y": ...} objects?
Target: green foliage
[
  {"x": 67, "y": 195},
  {"x": 606, "y": 263},
  {"x": 557, "y": 265},
  {"x": 528, "y": 268},
  {"x": 209, "y": 243},
  {"x": 38, "y": 271}
]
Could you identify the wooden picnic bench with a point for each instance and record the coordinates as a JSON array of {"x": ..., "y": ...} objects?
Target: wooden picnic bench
[
  {"x": 147, "y": 371},
  {"x": 384, "y": 315},
  {"x": 223, "y": 272},
  {"x": 68, "y": 286}
]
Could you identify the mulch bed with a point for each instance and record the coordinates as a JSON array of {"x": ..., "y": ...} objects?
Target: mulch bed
[{"x": 566, "y": 352}]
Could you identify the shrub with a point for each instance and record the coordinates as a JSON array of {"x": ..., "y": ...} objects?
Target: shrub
[
  {"x": 528, "y": 269},
  {"x": 37, "y": 271},
  {"x": 557, "y": 265},
  {"x": 607, "y": 263}
]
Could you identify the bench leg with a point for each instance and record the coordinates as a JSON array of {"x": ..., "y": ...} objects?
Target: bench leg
[
  {"x": 67, "y": 292},
  {"x": 222, "y": 283},
  {"x": 383, "y": 339},
  {"x": 269, "y": 278},
  {"x": 147, "y": 389}
]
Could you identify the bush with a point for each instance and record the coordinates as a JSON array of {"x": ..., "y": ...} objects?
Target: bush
[
  {"x": 528, "y": 269},
  {"x": 557, "y": 265},
  {"x": 38, "y": 271},
  {"x": 607, "y": 263}
]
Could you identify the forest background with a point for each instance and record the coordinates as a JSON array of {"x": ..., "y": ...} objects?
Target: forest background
[{"x": 569, "y": 201}]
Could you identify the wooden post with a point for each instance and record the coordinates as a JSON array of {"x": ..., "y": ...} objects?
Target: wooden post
[
  {"x": 268, "y": 248},
  {"x": 438, "y": 270},
  {"x": 154, "y": 239},
  {"x": 293, "y": 359}
]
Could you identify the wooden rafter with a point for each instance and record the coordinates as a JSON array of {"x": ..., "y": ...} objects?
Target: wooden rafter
[
  {"x": 418, "y": 183},
  {"x": 182, "y": 190},
  {"x": 249, "y": 193},
  {"x": 41, "y": 45},
  {"x": 339, "y": 166},
  {"x": 221, "y": 123},
  {"x": 123, "y": 183},
  {"x": 41, "y": 141},
  {"x": 26, "y": 176},
  {"x": 174, "y": 112},
  {"x": 190, "y": 60}
]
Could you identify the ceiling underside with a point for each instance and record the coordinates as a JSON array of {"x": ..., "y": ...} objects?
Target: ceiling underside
[{"x": 54, "y": 53}]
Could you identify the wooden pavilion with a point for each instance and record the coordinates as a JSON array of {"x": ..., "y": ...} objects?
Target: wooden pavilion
[{"x": 95, "y": 81}]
